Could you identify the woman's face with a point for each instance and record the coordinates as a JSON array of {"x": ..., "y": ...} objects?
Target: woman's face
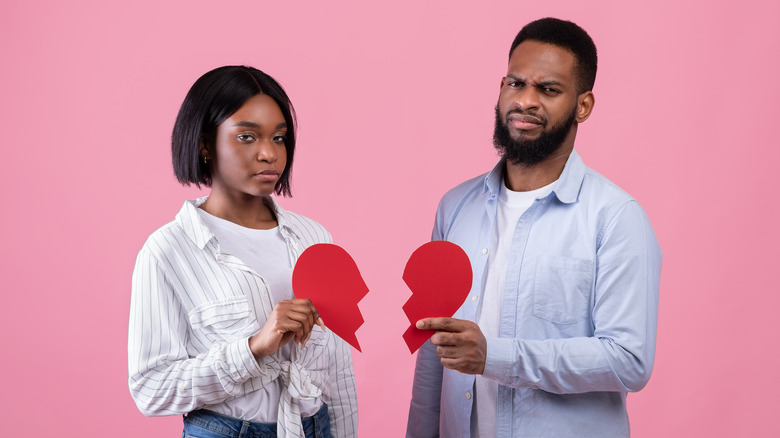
[{"x": 249, "y": 154}]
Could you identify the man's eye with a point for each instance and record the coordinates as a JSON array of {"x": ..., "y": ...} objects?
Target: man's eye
[{"x": 551, "y": 91}]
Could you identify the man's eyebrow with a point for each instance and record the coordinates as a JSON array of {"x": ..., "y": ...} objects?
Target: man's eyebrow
[
  {"x": 256, "y": 126},
  {"x": 548, "y": 83},
  {"x": 537, "y": 84}
]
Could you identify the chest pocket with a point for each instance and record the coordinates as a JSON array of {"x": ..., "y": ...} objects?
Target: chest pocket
[
  {"x": 562, "y": 288},
  {"x": 224, "y": 321}
]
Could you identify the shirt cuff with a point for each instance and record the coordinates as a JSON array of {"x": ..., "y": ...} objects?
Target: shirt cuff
[
  {"x": 252, "y": 367},
  {"x": 500, "y": 360}
]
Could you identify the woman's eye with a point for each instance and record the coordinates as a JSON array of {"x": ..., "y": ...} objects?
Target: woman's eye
[
  {"x": 245, "y": 137},
  {"x": 280, "y": 139}
]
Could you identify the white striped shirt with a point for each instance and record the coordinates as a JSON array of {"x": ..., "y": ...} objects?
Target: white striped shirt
[{"x": 193, "y": 309}]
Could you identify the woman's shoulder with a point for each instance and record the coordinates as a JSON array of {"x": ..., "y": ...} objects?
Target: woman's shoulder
[
  {"x": 184, "y": 233},
  {"x": 165, "y": 239},
  {"x": 306, "y": 228}
]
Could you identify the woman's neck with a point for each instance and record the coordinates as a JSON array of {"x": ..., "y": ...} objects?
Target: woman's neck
[{"x": 247, "y": 211}]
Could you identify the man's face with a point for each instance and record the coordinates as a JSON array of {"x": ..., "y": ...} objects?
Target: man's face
[{"x": 537, "y": 105}]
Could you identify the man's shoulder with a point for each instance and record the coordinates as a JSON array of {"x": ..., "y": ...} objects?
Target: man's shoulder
[
  {"x": 462, "y": 201},
  {"x": 598, "y": 187},
  {"x": 465, "y": 190},
  {"x": 604, "y": 200}
]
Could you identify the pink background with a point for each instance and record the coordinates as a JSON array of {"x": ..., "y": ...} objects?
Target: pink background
[{"x": 395, "y": 103}]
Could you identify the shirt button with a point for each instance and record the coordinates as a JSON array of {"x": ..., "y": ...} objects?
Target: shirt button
[
  {"x": 544, "y": 202},
  {"x": 536, "y": 388},
  {"x": 474, "y": 298},
  {"x": 468, "y": 395},
  {"x": 484, "y": 250}
]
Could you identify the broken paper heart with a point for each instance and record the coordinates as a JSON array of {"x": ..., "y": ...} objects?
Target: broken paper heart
[
  {"x": 439, "y": 276},
  {"x": 327, "y": 275}
]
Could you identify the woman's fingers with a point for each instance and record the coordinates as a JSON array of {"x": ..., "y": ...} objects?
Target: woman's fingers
[
  {"x": 299, "y": 316},
  {"x": 290, "y": 319}
]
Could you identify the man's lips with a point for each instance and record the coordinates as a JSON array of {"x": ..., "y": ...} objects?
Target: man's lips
[{"x": 523, "y": 122}]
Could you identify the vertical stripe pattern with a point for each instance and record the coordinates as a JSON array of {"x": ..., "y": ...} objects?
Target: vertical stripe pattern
[{"x": 192, "y": 313}]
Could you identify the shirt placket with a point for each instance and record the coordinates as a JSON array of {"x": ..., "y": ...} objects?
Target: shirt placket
[
  {"x": 510, "y": 324},
  {"x": 232, "y": 262},
  {"x": 293, "y": 248}
]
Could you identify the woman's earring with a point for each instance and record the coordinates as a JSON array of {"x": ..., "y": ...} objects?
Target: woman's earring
[{"x": 205, "y": 160}]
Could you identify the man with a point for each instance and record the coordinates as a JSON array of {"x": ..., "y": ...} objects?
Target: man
[{"x": 561, "y": 320}]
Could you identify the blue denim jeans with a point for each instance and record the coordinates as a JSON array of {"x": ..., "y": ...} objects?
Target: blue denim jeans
[{"x": 206, "y": 424}]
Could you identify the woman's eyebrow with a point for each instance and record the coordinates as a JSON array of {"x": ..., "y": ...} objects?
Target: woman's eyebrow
[{"x": 256, "y": 126}]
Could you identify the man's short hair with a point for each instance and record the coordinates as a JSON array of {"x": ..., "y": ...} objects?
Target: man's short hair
[
  {"x": 214, "y": 97},
  {"x": 569, "y": 36}
]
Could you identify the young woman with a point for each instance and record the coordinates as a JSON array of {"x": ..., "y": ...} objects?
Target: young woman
[{"x": 215, "y": 331}]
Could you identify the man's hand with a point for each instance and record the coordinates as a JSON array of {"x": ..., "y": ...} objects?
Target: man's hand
[
  {"x": 459, "y": 343},
  {"x": 290, "y": 318}
]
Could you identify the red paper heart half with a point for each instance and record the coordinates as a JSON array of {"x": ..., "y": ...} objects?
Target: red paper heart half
[
  {"x": 328, "y": 276},
  {"x": 439, "y": 276}
]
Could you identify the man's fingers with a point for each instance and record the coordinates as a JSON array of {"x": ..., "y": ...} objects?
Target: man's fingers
[
  {"x": 445, "y": 324},
  {"x": 442, "y": 339},
  {"x": 451, "y": 364},
  {"x": 447, "y": 352}
]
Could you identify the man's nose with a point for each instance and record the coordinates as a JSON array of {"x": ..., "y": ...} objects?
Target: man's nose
[{"x": 528, "y": 98}]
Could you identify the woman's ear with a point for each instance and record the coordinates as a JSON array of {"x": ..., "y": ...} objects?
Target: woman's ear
[{"x": 204, "y": 152}]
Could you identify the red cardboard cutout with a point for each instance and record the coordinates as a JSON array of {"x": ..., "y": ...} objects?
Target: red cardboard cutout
[
  {"x": 439, "y": 275},
  {"x": 329, "y": 277}
]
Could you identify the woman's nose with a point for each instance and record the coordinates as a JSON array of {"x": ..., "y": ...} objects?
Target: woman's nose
[{"x": 266, "y": 151}]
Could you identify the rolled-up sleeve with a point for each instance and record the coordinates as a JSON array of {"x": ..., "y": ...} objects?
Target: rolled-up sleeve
[
  {"x": 163, "y": 379},
  {"x": 619, "y": 356}
]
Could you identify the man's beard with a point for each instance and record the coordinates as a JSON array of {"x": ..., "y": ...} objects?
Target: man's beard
[{"x": 530, "y": 152}]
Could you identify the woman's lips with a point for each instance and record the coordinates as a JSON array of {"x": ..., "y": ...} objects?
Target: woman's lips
[{"x": 268, "y": 175}]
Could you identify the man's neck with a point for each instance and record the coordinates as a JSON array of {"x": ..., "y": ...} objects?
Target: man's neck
[{"x": 524, "y": 178}]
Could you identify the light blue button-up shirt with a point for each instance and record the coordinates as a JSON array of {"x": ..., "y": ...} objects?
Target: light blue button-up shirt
[{"x": 578, "y": 312}]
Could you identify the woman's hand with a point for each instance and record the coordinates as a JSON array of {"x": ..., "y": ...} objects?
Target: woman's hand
[{"x": 289, "y": 319}]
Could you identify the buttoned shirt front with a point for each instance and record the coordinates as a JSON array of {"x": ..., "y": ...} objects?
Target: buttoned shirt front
[
  {"x": 578, "y": 311},
  {"x": 193, "y": 309}
]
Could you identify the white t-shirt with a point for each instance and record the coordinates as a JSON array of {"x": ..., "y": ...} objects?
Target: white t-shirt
[
  {"x": 265, "y": 251},
  {"x": 511, "y": 206}
]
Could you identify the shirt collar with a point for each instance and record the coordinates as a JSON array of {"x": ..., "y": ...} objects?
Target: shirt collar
[
  {"x": 567, "y": 189},
  {"x": 201, "y": 234}
]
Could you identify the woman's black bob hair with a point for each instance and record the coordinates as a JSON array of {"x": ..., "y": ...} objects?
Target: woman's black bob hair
[{"x": 214, "y": 97}]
